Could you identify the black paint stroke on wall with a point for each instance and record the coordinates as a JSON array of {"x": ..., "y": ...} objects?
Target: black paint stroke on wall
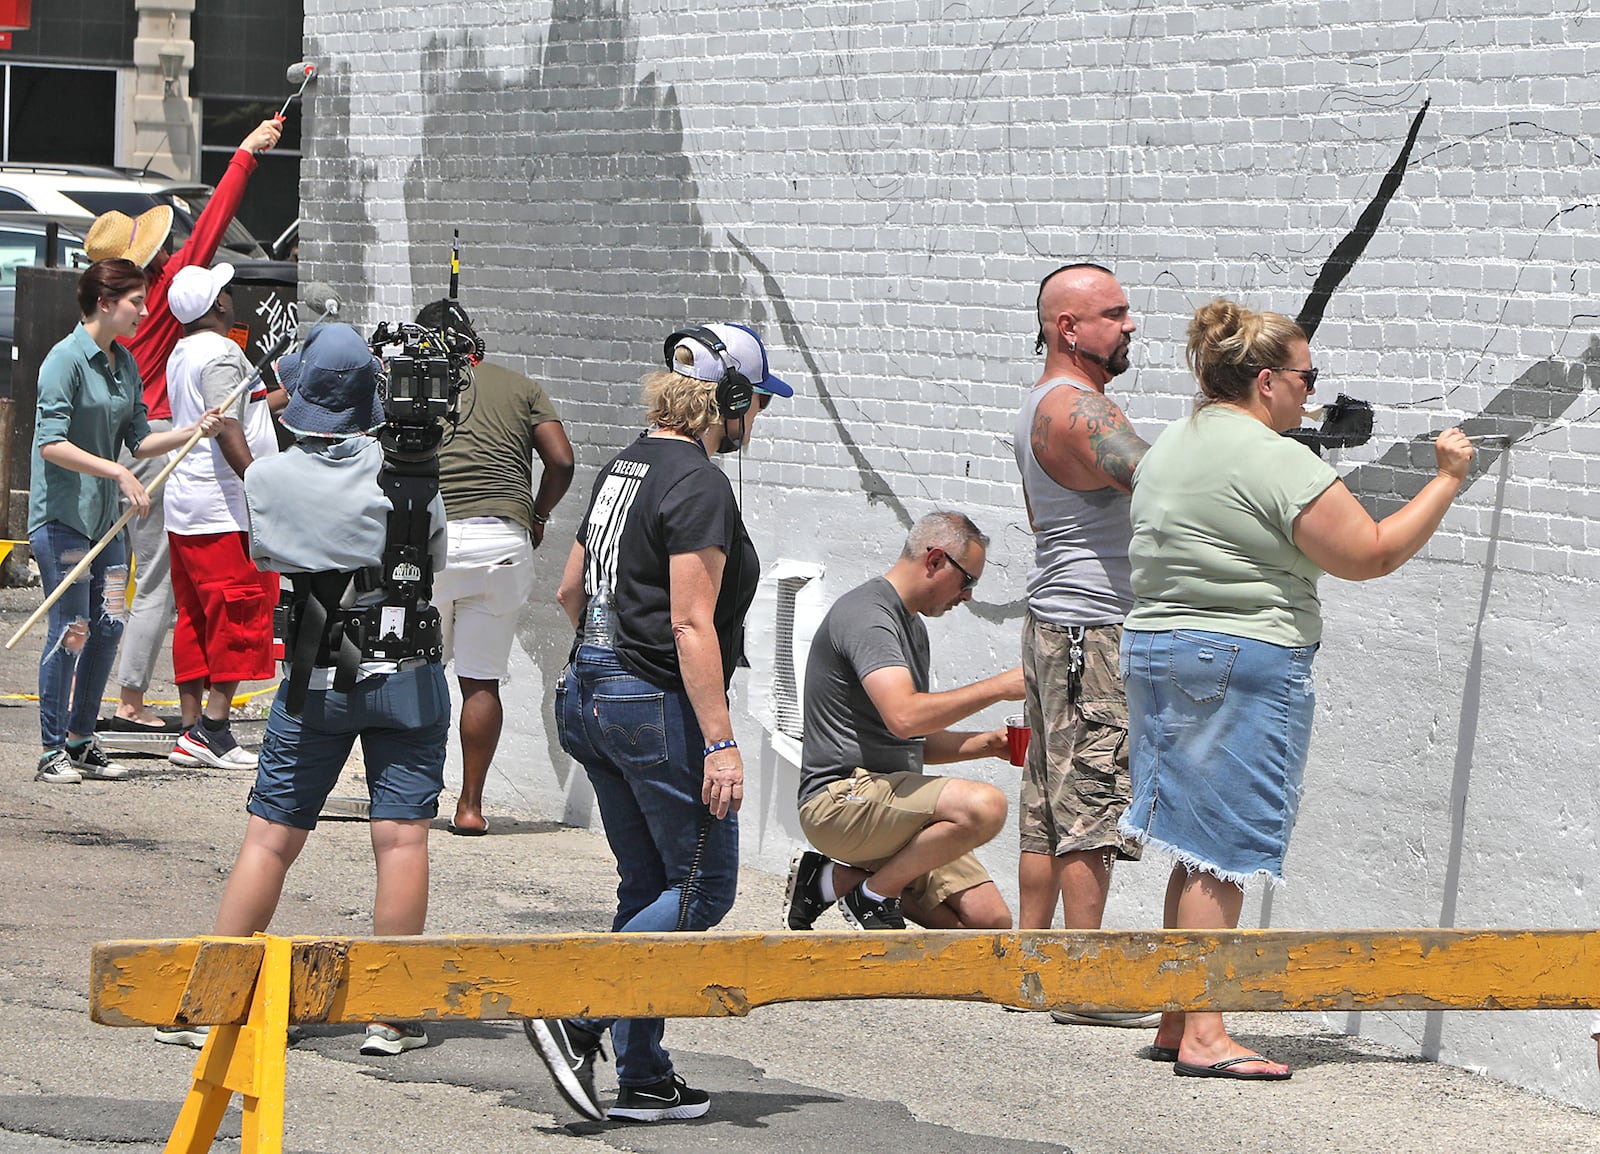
[
  {"x": 1345, "y": 254},
  {"x": 873, "y": 484}
]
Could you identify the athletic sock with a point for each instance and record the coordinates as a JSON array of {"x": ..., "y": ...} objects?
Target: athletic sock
[
  {"x": 217, "y": 735},
  {"x": 825, "y": 884},
  {"x": 78, "y": 745},
  {"x": 866, "y": 891}
]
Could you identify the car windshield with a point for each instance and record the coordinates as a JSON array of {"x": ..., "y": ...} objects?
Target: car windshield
[{"x": 237, "y": 238}]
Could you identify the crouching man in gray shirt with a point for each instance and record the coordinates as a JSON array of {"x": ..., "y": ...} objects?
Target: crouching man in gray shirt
[{"x": 895, "y": 842}]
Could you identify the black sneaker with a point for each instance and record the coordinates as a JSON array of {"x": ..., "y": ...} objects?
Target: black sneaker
[
  {"x": 568, "y": 1051},
  {"x": 804, "y": 896},
  {"x": 93, "y": 764},
  {"x": 668, "y": 1100},
  {"x": 865, "y": 914}
]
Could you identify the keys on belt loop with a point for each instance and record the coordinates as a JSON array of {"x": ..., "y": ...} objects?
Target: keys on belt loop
[{"x": 1074, "y": 661}]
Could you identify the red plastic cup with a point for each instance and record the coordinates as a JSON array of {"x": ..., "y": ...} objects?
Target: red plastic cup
[{"x": 1017, "y": 735}]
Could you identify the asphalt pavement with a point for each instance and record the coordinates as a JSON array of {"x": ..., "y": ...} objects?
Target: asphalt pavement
[{"x": 146, "y": 858}]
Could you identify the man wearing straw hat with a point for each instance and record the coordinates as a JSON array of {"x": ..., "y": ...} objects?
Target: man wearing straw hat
[{"x": 143, "y": 240}]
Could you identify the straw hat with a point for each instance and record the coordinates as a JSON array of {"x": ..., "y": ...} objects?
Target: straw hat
[{"x": 116, "y": 234}]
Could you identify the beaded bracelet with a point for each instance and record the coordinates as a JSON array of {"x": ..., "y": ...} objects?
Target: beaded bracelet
[{"x": 727, "y": 743}]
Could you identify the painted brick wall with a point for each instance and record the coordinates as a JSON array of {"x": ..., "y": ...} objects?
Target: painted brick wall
[{"x": 878, "y": 187}]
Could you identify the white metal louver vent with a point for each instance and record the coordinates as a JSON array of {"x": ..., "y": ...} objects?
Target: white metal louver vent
[{"x": 785, "y": 693}]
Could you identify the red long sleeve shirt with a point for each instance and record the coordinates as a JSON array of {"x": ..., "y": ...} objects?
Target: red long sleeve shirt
[{"x": 159, "y": 332}]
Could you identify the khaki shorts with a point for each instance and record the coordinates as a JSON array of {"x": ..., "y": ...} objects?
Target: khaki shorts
[
  {"x": 865, "y": 819},
  {"x": 1075, "y": 785}
]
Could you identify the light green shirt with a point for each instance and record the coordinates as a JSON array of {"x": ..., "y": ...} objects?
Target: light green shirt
[{"x": 1214, "y": 503}]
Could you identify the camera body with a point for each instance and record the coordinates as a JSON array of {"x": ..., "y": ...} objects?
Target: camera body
[{"x": 422, "y": 385}]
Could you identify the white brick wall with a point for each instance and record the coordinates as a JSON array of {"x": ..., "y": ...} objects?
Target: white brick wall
[{"x": 878, "y": 186}]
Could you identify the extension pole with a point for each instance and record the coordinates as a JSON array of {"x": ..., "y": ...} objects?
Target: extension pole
[{"x": 82, "y": 566}]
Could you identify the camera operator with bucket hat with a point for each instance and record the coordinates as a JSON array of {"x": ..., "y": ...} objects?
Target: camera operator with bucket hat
[{"x": 319, "y": 516}]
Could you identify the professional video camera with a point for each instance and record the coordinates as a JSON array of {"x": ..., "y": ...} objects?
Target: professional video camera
[{"x": 423, "y": 383}]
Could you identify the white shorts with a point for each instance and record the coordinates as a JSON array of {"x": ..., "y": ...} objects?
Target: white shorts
[{"x": 480, "y": 594}]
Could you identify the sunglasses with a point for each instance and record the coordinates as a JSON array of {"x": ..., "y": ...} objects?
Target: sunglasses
[
  {"x": 968, "y": 581},
  {"x": 1309, "y": 376}
]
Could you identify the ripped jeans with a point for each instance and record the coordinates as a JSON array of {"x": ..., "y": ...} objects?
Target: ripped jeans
[{"x": 84, "y": 627}]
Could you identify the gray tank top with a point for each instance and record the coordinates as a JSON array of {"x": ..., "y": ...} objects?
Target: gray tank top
[{"x": 1080, "y": 574}]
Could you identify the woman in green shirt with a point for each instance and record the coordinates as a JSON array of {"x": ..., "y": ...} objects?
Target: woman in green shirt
[
  {"x": 1232, "y": 525},
  {"x": 90, "y": 403}
]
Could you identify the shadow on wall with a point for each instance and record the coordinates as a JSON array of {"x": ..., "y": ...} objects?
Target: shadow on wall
[
  {"x": 582, "y": 242},
  {"x": 1535, "y": 399}
]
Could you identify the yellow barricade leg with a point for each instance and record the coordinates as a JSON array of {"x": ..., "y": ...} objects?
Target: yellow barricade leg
[{"x": 249, "y": 1060}]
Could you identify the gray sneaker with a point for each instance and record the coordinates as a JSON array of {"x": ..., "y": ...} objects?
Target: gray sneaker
[
  {"x": 1136, "y": 1020},
  {"x": 385, "y": 1039},
  {"x": 192, "y": 1036},
  {"x": 57, "y": 768}
]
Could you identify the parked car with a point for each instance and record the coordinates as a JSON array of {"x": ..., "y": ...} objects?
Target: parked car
[
  {"x": 34, "y": 196},
  {"x": 65, "y": 190}
]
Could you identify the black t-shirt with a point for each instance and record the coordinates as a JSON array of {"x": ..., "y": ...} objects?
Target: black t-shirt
[{"x": 658, "y": 497}]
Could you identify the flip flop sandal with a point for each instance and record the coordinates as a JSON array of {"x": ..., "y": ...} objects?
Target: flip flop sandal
[
  {"x": 463, "y": 831},
  {"x": 1224, "y": 1069},
  {"x": 1159, "y": 1053}
]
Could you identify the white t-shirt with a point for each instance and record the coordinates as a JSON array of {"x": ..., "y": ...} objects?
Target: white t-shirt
[{"x": 204, "y": 494}]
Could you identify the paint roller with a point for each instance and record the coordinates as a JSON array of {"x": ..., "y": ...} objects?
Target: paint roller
[{"x": 301, "y": 72}]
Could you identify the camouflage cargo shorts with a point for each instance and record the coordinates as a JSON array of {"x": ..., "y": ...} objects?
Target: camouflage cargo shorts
[{"x": 1075, "y": 785}]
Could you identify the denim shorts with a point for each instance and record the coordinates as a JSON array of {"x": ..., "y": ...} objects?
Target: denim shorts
[
  {"x": 401, "y": 720},
  {"x": 1220, "y": 727}
]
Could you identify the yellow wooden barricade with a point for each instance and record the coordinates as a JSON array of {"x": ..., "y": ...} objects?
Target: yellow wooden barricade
[{"x": 251, "y": 989}]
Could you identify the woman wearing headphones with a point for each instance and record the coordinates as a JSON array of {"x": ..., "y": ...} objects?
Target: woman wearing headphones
[{"x": 658, "y": 584}]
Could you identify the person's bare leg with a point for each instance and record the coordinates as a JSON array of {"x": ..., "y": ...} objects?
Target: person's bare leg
[
  {"x": 1038, "y": 887},
  {"x": 132, "y": 707},
  {"x": 220, "y": 700},
  {"x": 1206, "y": 902},
  {"x": 481, "y": 719},
  {"x": 190, "y": 696},
  {"x": 401, "y": 851},
  {"x": 967, "y": 814},
  {"x": 1170, "y": 1032},
  {"x": 979, "y": 907},
  {"x": 1085, "y": 878},
  {"x": 256, "y": 883}
]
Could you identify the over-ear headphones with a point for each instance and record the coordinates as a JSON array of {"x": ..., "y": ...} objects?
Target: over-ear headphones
[{"x": 734, "y": 391}]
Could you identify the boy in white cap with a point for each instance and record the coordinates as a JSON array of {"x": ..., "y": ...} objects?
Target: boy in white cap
[{"x": 223, "y": 633}]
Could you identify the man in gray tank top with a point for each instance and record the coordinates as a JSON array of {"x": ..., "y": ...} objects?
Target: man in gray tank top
[{"x": 1076, "y": 452}]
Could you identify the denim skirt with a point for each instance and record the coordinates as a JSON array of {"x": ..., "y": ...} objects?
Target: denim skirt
[{"x": 1219, "y": 727}]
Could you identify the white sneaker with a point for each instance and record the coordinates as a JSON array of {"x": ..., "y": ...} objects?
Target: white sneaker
[{"x": 193, "y": 750}]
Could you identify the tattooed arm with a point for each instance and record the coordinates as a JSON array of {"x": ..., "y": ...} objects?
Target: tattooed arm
[{"x": 1083, "y": 441}]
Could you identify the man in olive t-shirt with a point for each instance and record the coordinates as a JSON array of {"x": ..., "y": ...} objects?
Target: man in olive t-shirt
[{"x": 496, "y": 521}]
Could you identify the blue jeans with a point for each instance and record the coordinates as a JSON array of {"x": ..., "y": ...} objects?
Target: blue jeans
[
  {"x": 84, "y": 627},
  {"x": 678, "y": 866}
]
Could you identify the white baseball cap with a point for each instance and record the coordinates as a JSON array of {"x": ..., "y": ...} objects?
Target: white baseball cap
[
  {"x": 749, "y": 356},
  {"x": 194, "y": 290}
]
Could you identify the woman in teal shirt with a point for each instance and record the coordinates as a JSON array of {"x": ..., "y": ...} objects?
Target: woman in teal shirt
[
  {"x": 1232, "y": 525},
  {"x": 90, "y": 403}
]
